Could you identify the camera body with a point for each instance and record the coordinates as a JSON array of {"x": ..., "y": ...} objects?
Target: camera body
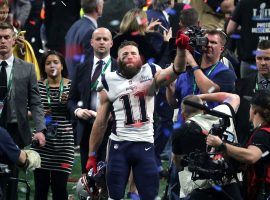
[{"x": 197, "y": 38}]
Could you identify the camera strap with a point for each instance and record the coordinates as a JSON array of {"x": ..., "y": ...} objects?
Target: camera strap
[{"x": 232, "y": 111}]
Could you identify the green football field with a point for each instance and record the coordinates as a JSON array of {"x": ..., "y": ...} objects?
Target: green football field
[{"x": 72, "y": 182}]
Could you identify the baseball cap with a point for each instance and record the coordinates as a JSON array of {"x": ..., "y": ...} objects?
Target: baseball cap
[{"x": 261, "y": 98}]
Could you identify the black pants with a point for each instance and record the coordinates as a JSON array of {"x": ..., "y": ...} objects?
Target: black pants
[
  {"x": 12, "y": 188},
  {"x": 228, "y": 192},
  {"x": 46, "y": 178}
]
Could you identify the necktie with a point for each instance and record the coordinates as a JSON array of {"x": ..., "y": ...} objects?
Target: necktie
[
  {"x": 3, "y": 80},
  {"x": 264, "y": 83},
  {"x": 97, "y": 71}
]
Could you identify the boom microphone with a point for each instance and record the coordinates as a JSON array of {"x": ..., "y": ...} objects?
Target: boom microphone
[{"x": 206, "y": 109}]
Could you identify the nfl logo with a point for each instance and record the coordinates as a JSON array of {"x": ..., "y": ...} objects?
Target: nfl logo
[{"x": 130, "y": 82}]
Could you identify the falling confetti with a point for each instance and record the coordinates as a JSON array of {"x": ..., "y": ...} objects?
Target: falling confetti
[
  {"x": 235, "y": 36},
  {"x": 135, "y": 33},
  {"x": 176, "y": 125},
  {"x": 41, "y": 51},
  {"x": 65, "y": 165},
  {"x": 137, "y": 124},
  {"x": 166, "y": 132},
  {"x": 151, "y": 61},
  {"x": 114, "y": 22},
  {"x": 80, "y": 104},
  {"x": 63, "y": 3}
]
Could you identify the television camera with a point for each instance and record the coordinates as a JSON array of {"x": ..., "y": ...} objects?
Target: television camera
[{"x": 211, "y": 164}]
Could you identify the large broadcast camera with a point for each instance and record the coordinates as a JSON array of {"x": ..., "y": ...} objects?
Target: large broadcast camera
[{"x": 211, "y": 164}]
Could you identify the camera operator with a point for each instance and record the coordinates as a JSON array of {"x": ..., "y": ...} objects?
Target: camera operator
[
  {"x": 9, "y": 152},
  {"x": 190, "y": 137},
  {"x": 211, "y": 76},
  {"x": 258, "y": 147}
]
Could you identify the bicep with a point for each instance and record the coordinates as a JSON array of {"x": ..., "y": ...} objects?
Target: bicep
[{"x": 104, "y": 107}]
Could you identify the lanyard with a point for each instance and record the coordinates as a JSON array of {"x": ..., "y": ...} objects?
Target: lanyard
[
  {"x": 208, "y": 74},
  {"x": 94, "y": 85},
  {"x": 61, "y": 88}
]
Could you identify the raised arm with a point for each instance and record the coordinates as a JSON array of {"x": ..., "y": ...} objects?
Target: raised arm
[
  {"x": 232, "y": 99},
  {"x": 165, "y": 76}
]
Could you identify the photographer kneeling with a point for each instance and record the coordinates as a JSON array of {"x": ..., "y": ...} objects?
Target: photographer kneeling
[
  {"x": 190, "y": 138},
  {"x": 258, "y": 147}
]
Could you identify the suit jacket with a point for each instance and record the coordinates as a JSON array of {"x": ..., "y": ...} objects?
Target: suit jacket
[
  {"x": 80, "y": 91},
  {"x": 244, "y": 87},
  {"x": 25, "y": 92},
  {"x": 78, "y": 42},
  {"x": 20, "y": 10}
]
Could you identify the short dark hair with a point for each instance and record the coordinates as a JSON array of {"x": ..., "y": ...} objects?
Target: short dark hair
[
  {"x": 89, "y": 6},
  {"x": 190, "y": 111},
  {"x": 219, "y": 32},
  {"x": 189, "y": 17},
  {"x": 43, "y": 61},
  {"x": 264, "y": 44},
  {"x": 127, "y": 43},
  {"x": 5, "y": 25}
]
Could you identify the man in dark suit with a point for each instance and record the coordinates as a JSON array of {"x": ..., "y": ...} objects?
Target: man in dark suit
[
  {"x": 18, "y": 92},
  {"x": 80, "y": 33},
  {"x": 247, "y": 87},
  {"x": 83, "y": 99}
]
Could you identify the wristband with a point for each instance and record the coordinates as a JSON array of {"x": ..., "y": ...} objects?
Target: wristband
[
  {"x": 222, "y": 147},
  {"x": 75, "y": 112},
  {"x": 195, "y": 68},
  {"x": 92, "y": 154},
  {"x": 174, "y": 70}
]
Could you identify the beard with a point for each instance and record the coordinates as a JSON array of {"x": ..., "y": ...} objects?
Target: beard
[{"x": 129, "y": 71}]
